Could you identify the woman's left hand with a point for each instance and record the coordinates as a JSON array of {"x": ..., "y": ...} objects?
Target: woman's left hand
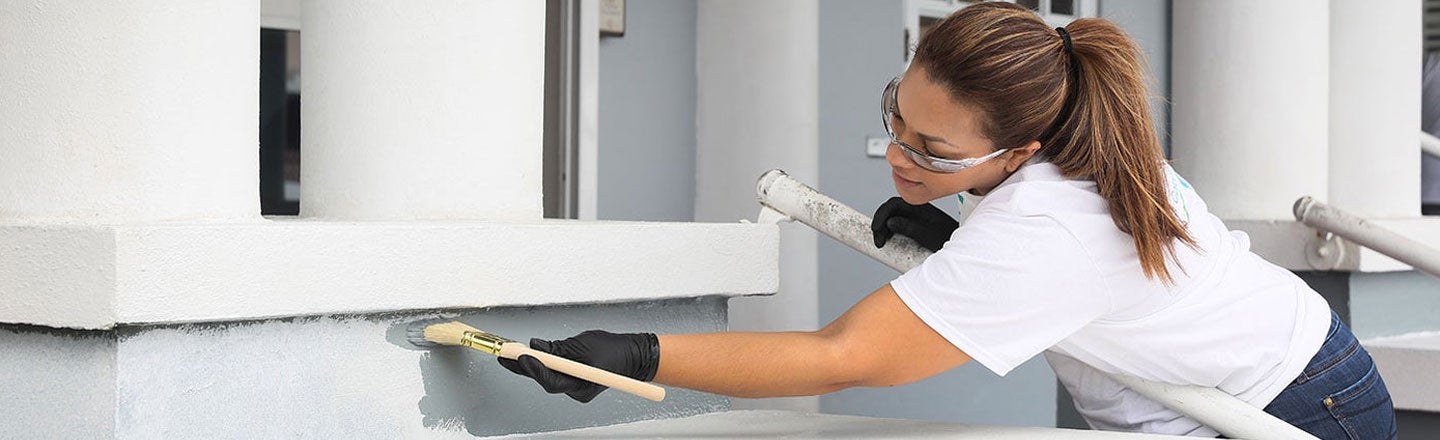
[{"x": 926, "y": 224}]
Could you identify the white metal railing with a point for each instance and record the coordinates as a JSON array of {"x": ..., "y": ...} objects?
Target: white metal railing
[
  {"x": 784, "y": 198},
  {"x": 1329, "y": 219},
  {"x": 1429, "y": 144}
]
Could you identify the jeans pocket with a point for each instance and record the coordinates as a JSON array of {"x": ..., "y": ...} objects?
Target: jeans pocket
[{"x": 1364, "y": 409}]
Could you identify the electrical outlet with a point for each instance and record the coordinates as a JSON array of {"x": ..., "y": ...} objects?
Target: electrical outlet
[{"x": 875, "y": 147}]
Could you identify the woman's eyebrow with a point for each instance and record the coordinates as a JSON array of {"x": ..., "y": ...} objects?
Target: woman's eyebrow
[
  {"x": 923, "y": 136},
  {"x": 933, "y": 139}
]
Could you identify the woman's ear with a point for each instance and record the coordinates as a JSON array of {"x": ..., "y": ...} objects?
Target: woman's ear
[{"x": 1017, "y": 156}]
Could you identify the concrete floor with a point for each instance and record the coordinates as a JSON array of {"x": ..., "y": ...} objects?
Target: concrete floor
[{"x": 797, "y": 425}]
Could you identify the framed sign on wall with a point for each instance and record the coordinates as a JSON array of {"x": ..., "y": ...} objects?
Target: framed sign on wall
[{"x": 612, "y": 18}]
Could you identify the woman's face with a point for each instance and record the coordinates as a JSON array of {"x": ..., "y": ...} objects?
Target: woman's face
[{"x": 930, "y": 121}]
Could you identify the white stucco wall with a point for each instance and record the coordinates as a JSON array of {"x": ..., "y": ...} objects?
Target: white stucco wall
[
  {"x": 428, "y": 113},
  {"x": 1375, "y": 107},
  {"x": 124, "y": 112},
  {"x": 1249, "y": 103}
]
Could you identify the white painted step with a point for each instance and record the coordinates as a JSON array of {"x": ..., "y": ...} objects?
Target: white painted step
[
  {"x": 799, "y": 425},
  {"x": 1410, "y": 364}
]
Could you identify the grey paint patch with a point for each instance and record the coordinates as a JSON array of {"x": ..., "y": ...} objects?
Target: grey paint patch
[
  {"x": 319, "y": 377},
  {"x": 463, "y": 389},
  {"x": 1393, "y": 303},
  {"x": 54, "y": 385}
]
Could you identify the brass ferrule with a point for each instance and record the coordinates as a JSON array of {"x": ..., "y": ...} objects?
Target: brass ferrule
[{"x": 484, "y": 342}]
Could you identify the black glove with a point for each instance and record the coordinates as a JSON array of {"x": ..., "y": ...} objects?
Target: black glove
[
  {"x": 926, "y": 224},
  {"x": 636, "y": 355}
]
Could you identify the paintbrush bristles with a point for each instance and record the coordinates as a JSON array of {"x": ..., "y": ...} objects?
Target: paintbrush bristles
[{"x": 449, "y": 333}]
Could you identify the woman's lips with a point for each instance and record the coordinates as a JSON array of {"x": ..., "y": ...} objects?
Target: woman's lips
[{"x": 903, "y": 182}]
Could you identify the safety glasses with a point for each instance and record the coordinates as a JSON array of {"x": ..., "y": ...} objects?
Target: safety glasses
[{"x": 888, "y": 112}]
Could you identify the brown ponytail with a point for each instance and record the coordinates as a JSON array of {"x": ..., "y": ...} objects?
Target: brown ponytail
[{"x": 1088, "y": 107}]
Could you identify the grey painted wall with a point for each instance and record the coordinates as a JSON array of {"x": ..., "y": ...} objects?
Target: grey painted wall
[
  {"x": 52, "y": 383},
  {"x": 860, "y": 50},
  {"x": 1392, "y": 303},
  {"x": 1148, "y": 23},
  {"x": 647, "y": 115},
  {"x": 320, "y": 377}
]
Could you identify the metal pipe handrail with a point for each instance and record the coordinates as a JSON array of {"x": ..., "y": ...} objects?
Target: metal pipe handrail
[
  {"x": 1429, "y": 144},
  {"x": 1355, "y": 229},
  {"x": 1232, "y": 417}
]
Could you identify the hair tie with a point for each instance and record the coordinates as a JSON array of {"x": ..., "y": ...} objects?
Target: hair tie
[
  {"x": 1070, "y": 96},
  {"x": 1065, "y": 35}
]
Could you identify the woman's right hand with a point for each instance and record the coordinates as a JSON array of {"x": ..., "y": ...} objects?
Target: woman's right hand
[{"x": 926, "y": 224}]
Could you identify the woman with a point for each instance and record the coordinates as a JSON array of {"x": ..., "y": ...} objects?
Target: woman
[{"x": 1087, "y": 247}]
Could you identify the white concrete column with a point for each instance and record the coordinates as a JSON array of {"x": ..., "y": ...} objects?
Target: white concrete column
[
  {"x": 130, "y": 111},
  {"x": 1375, "y": 59},
  {"x": 1249, "y": 84},
  {"x": 429, "y": 111},
  {"x": 757, "y": 109}
]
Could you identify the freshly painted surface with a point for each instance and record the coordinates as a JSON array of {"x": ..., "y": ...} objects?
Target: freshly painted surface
[
  {"x": 124, "y": 112},
  {"x": 1408, "y": 363},
  {"x": 94, "y": 277},
  {"x": 430, "y": 113},
  {"x": 319, "y": 377},
  {"x": 1247, "y": 162},
  {"x": 55, "y": 383},
  {"x": 799, "y": 425}
]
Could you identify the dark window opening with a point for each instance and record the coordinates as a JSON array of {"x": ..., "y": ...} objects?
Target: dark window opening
[
  {"x": 1062, "y": 7},
  {"x": 279, "y": 122}
]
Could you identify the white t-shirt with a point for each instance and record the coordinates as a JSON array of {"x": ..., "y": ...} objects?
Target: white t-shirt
[{"x": 1040, "y": 266}]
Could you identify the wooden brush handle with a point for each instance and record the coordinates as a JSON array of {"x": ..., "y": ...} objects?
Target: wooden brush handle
[{"x": 513, "y": 350}]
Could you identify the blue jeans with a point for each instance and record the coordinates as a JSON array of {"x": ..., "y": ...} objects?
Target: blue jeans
[{"x": 1340, "y": 395}]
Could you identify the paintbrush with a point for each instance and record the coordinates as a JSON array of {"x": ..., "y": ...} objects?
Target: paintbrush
[{"x": 431, "y": 333}]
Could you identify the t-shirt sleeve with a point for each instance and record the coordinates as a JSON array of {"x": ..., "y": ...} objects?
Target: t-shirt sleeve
[{"x": 1005, "y": 288}]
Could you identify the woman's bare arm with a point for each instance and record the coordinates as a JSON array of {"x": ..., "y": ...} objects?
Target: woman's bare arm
[{"x": 878, "y": 342}]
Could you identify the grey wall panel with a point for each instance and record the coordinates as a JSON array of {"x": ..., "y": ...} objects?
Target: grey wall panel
[{"x": 647, "y": 115}]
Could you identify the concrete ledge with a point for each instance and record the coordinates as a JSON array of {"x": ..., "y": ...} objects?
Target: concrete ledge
[
  {"x": 1287, "y": 243},
  {"x": 787, "y": 424},
  {"x": 1408, "y": 363},
  {"x": 95, "y": 277}
]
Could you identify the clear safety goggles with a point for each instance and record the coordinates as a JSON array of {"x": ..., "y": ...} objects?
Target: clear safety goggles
[{"x": 926, "y": 161}]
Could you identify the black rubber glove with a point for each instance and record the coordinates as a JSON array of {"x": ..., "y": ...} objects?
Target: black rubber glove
[
  {"x": 636, "y": 355},
  {"x": 926, "y": 224}
]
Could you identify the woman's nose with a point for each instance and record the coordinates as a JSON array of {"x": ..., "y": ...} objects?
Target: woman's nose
[{"x": 896, "y": 157}]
